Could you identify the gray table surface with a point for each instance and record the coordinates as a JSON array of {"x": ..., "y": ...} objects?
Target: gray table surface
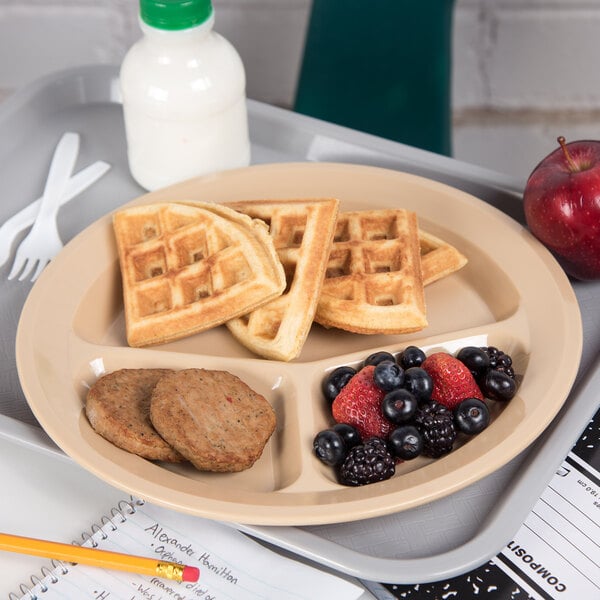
[{"x": 86, "y": 100}]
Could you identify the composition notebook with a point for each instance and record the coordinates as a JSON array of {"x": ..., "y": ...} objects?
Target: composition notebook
[{"x": 232, "y": 565}]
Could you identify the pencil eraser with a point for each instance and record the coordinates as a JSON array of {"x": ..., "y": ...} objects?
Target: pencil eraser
[{"x": 190, "y": 574}]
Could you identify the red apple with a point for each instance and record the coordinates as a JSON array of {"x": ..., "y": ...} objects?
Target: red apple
[{"x": 562, "y": 206}]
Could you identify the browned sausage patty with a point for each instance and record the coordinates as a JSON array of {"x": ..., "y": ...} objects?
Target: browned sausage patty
[
  {"x": 212, "y": 418},
  {"x": 118, "y": 408}
]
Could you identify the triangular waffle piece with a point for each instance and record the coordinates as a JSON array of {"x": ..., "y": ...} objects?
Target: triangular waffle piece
[
  {"x": 186, "y": 269},
  {"x": 302, "y": 232},
  {"x": 373, "y": 283},
  {"x": 438, "y": 258}
]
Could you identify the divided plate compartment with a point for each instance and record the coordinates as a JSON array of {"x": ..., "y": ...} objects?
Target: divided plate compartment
[
  {"x": 72, "y": 329},
  {"x": 351, "y": 530}
]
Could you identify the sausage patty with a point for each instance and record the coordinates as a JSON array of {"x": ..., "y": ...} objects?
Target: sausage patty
[
  {"x": 212, "y": 418},
  {"x": 118, "y": 408}
]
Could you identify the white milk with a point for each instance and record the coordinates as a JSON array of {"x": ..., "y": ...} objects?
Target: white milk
[{"x": 184, "y": 103}]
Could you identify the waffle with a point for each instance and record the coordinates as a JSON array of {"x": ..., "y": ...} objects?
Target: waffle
[
  {"x": 185, "y": 269},
  {"x": 302, "y": 232},
  {"x": 373, "y": 282},
  {"x": 438, "y": 258}
]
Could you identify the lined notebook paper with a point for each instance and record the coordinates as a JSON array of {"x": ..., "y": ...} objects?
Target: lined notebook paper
[{"x": 232, "y": 565}]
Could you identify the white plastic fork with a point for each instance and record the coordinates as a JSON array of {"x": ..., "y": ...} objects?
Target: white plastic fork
[
  {"x": 23, "y": 219},
  {"x": 43, "y": 241}
]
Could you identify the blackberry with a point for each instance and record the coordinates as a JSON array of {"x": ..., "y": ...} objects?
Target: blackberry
[
  {"x": 435, "y": 422},
  {"x": 367, "y": 463},
  {"x": 499, "y": 360}
]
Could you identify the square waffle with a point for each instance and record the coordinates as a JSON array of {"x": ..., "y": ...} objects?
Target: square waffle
[
  {"x": 185, "y": 269},
  {"x": 302, "y": 232},
  {"x": 373, "y": 281}
]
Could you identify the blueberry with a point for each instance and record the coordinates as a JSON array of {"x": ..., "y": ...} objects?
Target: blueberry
[
  {"x": 350, "y": 435},
  {"x": 329, "y": 447},
  {"x": 388, "y": 375},
  {"x": 475, "y": 359},
  {"x": 405, "y": 442},
  {"x": 419, "y": 383},
  {"x": 471, "y": 416},
  {"x": 335, "y": 381},
  {"x": 399, "y": 406},
  {"x": 377, "y": 357},
  {"x": 411, "y": 357},
  {"x": 498, "y": 385}
]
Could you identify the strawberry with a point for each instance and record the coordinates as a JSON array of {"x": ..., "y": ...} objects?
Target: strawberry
[
  {"x": 452, "y": 380},
  {"x": 359, "y": 404}
]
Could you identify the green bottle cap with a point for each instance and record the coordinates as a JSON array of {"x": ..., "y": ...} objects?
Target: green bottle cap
[{"x": 175, "y": 14}]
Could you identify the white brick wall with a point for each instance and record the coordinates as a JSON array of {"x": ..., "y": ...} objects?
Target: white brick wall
[
  {"x": 41, "y": 36},
  {"x": 524, "y": 71},
  {"x": 534, "y": 53},
  {"x": 269, "y": 35}
]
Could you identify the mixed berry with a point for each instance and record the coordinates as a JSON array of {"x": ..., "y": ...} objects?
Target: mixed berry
[{"x": 396, "y": 408}]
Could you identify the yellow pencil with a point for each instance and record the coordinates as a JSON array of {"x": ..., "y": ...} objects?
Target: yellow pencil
[{"x": 98, "y": 558}]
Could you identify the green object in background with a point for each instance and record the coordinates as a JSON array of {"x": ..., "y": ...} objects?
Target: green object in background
[{"x": 382, "y": 67}]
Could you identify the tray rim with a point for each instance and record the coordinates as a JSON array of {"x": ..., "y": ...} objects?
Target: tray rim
[{"x": 377, "y": 149}]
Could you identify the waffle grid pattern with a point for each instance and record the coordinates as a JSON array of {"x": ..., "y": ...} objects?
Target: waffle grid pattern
[
  {"x": 302, "y": 232},
  {"x": 177, "y": 262},
  {"x": 186, "y": 269},
  {"x": 373, "y": 281}
]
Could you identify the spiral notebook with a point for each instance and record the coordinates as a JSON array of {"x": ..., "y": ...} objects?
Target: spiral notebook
[{"x": 232, "y": 565}]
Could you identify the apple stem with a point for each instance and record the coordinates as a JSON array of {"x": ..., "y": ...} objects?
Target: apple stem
[{"x": 561, "y": 140}]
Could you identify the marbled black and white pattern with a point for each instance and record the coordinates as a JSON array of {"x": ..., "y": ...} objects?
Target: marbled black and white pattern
[
  {"x": 587, "y": 446},
  {"x": 487, "y": 582}
]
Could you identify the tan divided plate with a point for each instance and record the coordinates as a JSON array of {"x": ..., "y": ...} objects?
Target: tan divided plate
[{"x": 512, "y": 294}]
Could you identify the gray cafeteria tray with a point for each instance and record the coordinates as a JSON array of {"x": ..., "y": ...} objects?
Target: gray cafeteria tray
[{"x": 445, "y": 538}]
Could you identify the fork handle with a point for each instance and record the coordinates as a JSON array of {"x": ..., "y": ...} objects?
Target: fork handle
[{"x": 59, "y": 173}]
